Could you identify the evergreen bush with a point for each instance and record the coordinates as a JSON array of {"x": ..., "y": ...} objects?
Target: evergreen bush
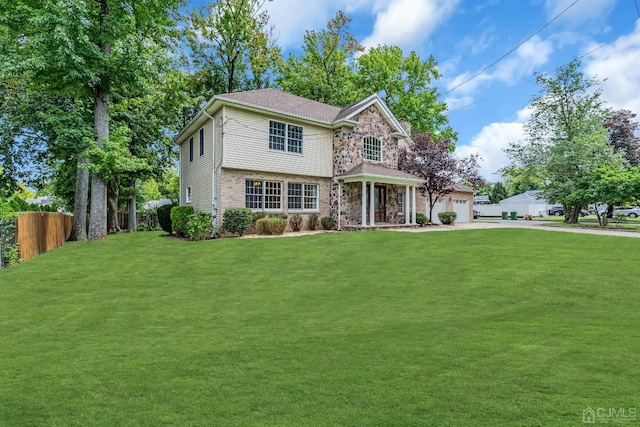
[
  {"x": 328, "y": 222},
  {"x": 179, "y": 219},
  {"x": 164, "y": 217},
  {"x": 237, "y": 220},
  {"x": 447, "y": 218}
]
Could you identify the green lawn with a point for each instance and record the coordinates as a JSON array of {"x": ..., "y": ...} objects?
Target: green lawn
[{"x": 502, "y": 327}]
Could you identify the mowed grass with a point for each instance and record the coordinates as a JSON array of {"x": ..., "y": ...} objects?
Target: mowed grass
[{"x": 505, "y": 327}]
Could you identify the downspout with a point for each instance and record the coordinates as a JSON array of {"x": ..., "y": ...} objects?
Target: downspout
[
  {"x": 180, "y": 177},
  {"x": 337, "y": 181},
  {"x": 214, "y": 201}
]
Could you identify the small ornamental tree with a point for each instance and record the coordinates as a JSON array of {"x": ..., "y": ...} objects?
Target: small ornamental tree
[{"x": 431, "y": 159}]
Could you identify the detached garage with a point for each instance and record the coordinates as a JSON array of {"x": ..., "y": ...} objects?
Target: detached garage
[{"x": 459, "y": 201}]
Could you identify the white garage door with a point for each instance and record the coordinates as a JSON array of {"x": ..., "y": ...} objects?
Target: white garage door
[
  {"x": 438, "y": 207},
  {"x": 461, "y": 208}
]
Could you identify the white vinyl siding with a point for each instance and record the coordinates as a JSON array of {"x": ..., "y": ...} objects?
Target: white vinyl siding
[
  {"x": 197, "y": 173},
  {"x": 246, "y": 147}
]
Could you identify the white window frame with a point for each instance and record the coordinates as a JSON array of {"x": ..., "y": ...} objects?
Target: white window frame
[
  {"x": 265, "y": 199},
  {"x": 308, "y": 197},
  {"x": 187, "y": 196},
  {"x": 286, "y": 137},
  {"x": 369, "y": 150},
  {"x": 400, "y": 202}
]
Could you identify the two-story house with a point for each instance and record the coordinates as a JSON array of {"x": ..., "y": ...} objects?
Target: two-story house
[{"x": 281, "y": 153}]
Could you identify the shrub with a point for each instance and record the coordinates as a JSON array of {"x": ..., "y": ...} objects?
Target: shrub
[
  {"x": 328, "y": 222},
  {"x": 281, "y": 216},
  {"x": 258, "y": 215},
  {"x": 237, "y": 220},
  {"x": 271, "y": 226},
  {"x": 199, "y": 226},
  {"x": 179, "y": 218},
  {"x": 313, "y": 221},
  {"x": 296, "y": 222},
  {"x": 164, "y": 217},
  {"x": 421, "y": 218},
  {"x": 447, "y": 218}
]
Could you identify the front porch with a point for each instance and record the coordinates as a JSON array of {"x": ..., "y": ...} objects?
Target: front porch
[{"x": 375, "y": 197}]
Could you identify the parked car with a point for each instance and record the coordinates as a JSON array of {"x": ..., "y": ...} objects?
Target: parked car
[
  {"x": 630, "y": 211},
  {"x": 558, "y": 210},
  {"x": 476, "y": 214}
]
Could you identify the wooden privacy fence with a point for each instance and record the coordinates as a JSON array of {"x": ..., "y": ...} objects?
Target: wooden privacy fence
[{"x": 39, "y": 232}]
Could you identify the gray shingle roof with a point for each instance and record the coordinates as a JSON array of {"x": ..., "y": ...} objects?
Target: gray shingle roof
[
  {"x": 286, "y": 103},
  {"x": 366, "y": 168}
]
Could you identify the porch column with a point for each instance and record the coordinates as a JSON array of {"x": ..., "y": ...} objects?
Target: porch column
[
  {"x": 364, "y": 204},
  {"x": 413, "y": 204},
  {"x": 407, "y": 216},
  {"x": 372, "y": 204}
]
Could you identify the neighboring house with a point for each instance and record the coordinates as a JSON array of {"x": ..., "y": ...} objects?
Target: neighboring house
[
  {"x": 482, "y": 199},
  {"x": 527, "y": 203},
  {"x": 280, "y": 153}
]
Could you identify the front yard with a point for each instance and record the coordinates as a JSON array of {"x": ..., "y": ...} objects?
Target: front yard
[{"x": 496, "y": 327}]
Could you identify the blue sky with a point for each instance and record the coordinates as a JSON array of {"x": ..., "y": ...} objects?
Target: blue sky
[{"x": 465, "y": 36}]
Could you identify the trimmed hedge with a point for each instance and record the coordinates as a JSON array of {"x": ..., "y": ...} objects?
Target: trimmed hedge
[
  {"x": 237, "y": 220},
  {"x": 328, "y": 222},
  {"x": 164, "y": 217},
  {"x": 271, "y": 226},
  {"x": 447, "y": 218},
  {"x": 179, "y": 218}
]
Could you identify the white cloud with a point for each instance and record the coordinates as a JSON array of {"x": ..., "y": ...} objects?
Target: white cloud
[
  {"x": 581, "y": 12},
  {"x": 490, "y": 143},
  {"x": 408, "y": 23},
  {"x": 528, "y": 58},
  {"x": 618, "y": 64}
]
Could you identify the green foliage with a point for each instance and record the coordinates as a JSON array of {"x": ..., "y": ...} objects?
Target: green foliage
[
  {"x": 237, "y": 220},
  {"x": 313, "y": 222},
  {"x": 179, "y": 218},
  {"x": 281, "y": 216},
  {"x": 258, "y": 215},
  {"x": 323, "y": 72},
  {"x": 421, "y": 218},
  {"x": 296, "y": 222},
  {"x": 498, "y": 192},
  {"x": 328, "y": 222},
  {"x": 271, "y": 225},
  {"x": 447, "y": 218},
  {"x": 199, "y": 226},
  {"x": 11, "y": 254},
  {"x": 164, "y": 217},
  {"x": 404, "y": 82}
]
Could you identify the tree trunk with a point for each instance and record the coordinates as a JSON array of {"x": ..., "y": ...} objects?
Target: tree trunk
[
  {"x": 131, "y": 208},
  {"x": 80, "y": 202},
  {"x": 98, "y": 218},
  {"x": 113, "y": 225}
]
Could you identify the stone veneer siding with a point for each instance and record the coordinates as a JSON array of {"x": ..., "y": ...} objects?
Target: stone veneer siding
[
  {"x": 232, "y": 193},
  {"x": 348, "y": 152}
]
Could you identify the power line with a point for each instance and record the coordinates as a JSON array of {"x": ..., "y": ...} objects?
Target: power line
[
  {"x": 637, "y": 10},
  {"x": 511, "y": 51}
]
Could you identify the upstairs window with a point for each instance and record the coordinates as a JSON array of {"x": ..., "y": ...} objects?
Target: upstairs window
[
  {"x": 372, "y": 148},
  {"x": 191, "y": 149},
  {"x": 285, "y": 137},
  {"x": 202, "y": 142}
]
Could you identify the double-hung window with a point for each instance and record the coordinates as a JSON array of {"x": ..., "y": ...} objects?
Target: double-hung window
[
  {"x": 202, "y": 142},
  {"x": 400, "y": 203},
  {"x": 302, "y": 196},
  {"x": 372, "y": 148},
  {"x": 285, "y": 137},
  {"x": 263, "y": 195}
]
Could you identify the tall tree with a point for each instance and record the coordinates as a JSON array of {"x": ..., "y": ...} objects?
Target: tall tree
[
  {"x": 405, "y": 85},
  {"x": 498, "y": 192},
  {"x": 622, "y": 130},
  {"x": 232, "y": 44},
  {"x": 565, "y": 139},
  {"x": 84, "y": 49},
  {"x": 324, "y": 71},
  {"x": 431, "y": 159}
]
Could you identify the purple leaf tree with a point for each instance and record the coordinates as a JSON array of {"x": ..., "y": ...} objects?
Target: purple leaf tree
[{"x": 431, "y": 159}]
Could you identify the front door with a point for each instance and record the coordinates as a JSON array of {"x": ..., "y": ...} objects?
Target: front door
[{"x": 380, "y": 204}]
